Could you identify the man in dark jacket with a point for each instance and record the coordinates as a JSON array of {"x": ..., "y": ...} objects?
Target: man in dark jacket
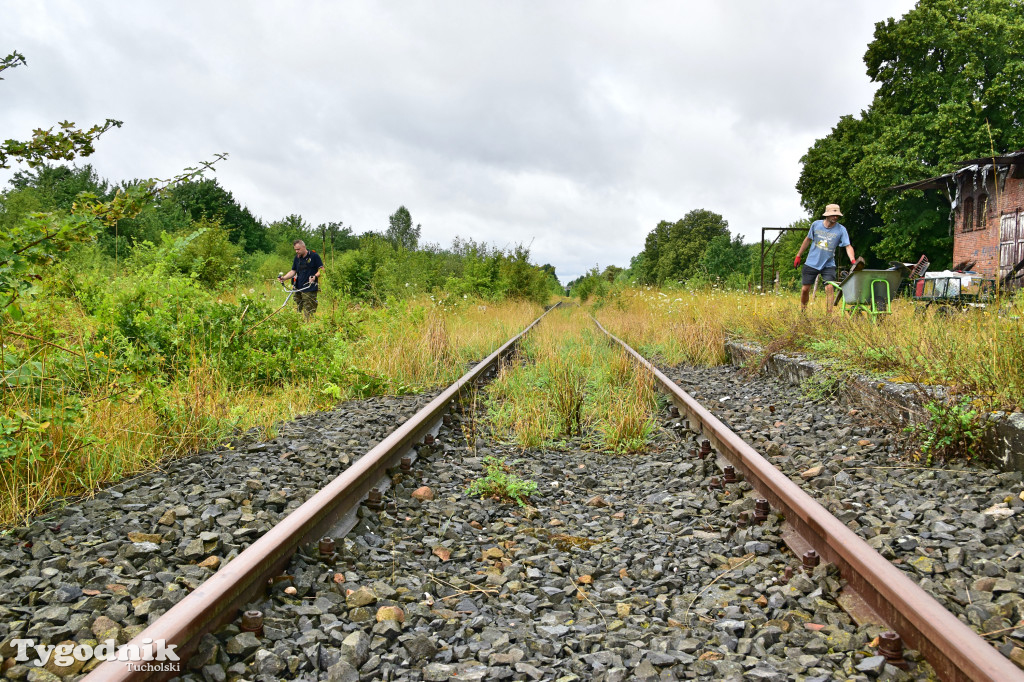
[{"x": 305, "y": 276}]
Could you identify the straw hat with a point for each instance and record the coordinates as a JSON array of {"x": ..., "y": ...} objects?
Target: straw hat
[{"x": 832, "y": 209}]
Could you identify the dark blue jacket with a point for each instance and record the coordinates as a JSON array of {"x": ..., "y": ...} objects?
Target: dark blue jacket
[{"x": 305, "y": 268}]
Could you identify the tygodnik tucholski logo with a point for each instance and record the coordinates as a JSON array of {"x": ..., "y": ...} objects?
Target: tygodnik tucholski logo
[{"x": 144, "y": 656}]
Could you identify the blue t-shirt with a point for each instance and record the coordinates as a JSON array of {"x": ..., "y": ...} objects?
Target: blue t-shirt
[
  {"x": 824, "y": 241},
  {"x": 305, "y": 267}
]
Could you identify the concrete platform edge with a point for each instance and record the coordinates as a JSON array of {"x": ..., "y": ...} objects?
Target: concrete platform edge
[{"x": 1004, "y": 447}]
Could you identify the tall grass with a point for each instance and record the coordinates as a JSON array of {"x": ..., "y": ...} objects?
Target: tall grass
[
  {"x": 431, "y": 344},
  {"x": 79, "y": 407},
  {"x": 979, "y": 352},
  {"x": 573, "y": 383},
  {"x": 628, "y": 396}
]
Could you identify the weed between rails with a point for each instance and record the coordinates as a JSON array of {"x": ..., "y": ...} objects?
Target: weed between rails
[
  {"x": 572, "y": 383},
  {"x": 499, "y": 482},
  {"x": 568, "y": 393},
  {"x": 86, "y": 399}
]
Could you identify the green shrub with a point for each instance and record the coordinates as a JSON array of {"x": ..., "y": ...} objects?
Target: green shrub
[
  {"x": 165, "y": 324},
  {"x": 209, "y": 257},
  {"x": 953, "y": 430},
  {"x": 500, "y": 483}
]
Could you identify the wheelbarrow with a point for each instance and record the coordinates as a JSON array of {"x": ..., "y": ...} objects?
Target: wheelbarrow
[{"x": 869, "y": 291}]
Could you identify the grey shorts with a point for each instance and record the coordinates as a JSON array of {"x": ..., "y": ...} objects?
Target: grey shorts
[{"x": 808, "y": 274}]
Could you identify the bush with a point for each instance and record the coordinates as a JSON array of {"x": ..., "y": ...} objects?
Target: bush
[
  {"x": 954, "y": 430},
  {"x": 264, "y": 267},
  {"x": 499, "y": 483},
  {"x": 208, "y": 256},
  {"x": 165, "y": 324}
]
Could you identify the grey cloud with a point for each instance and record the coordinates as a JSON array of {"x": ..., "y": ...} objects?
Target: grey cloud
[{"x": 573, "y": 126}]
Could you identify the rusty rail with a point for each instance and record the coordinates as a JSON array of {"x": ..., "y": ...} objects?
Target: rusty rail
[
  {"x": 218, "y": 600},
  {"x": 955, "y": 651}
]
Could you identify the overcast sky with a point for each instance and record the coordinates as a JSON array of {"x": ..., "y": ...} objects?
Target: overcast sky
[{"x": 571, "y": 127}]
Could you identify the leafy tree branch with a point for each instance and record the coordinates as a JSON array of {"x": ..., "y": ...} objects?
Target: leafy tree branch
[
  {"x": 47, "y": 145},
  {"x": 64, "y": 144},
  {"x": 12, "y": 60}
]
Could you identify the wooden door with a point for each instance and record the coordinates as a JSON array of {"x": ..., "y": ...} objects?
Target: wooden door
[{"x": 1011, "y": 243}]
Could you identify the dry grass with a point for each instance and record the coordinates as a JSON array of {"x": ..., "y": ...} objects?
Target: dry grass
[
  {"x": 433, "y": 349},
  {"x": 573, "y": 383},
  {"x": 978, "y": 351},
  {"x": 112, "y": 426}
]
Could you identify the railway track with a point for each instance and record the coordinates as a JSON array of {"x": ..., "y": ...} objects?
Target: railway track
[{"x": 655, "y": 563}]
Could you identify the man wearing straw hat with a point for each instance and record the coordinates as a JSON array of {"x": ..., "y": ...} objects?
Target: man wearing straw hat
[{"x": 823, "y": 238}]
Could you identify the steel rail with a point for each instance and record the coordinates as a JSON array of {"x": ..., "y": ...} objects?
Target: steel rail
[
  {"x": 219, "y": 598},
  {"x": 956, "y": 652}
]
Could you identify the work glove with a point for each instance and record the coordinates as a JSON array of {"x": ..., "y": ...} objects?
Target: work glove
[{"x": 796, "y": 261}]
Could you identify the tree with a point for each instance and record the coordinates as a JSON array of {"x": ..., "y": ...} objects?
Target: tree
[
  {"x": 951, "y": 87},
  {"x": 727, "y": 260},
  {"x": 672, "y": 251},
  {"x": 59, "y": 186},
  {"x": 589, "y": 284},
  {"x": 47, "y": 188},
  {"x": 281, "y": 233},
  {"x": 63, "y": 145},
  {"x": 336, "y": 237},
  {"x": 162, "y": 216},
  {"x": 400, "y": 232},
  {"x": 611, "y": 272},
  {"x": 205, "y": 198}
]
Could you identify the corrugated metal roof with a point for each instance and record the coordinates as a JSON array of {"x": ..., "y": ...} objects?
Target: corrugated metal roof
[
  {"x": 930, "y": 183},
  {"x": 1012, "y": 157},
  {"x": 939, "y": 181}
]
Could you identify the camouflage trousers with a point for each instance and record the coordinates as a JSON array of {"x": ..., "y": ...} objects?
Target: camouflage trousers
[{"x": 306, "y": 303}]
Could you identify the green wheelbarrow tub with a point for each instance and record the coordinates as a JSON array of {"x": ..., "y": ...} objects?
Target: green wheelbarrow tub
[{"x": 857, "y": 286}]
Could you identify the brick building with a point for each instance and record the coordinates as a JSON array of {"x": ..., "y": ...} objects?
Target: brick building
[{"x": 987, "y": 212}]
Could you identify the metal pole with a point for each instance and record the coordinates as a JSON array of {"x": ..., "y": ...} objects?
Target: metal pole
[{"x": 762, "y": 260}]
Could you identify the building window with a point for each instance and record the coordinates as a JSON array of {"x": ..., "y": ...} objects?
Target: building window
[
  {"x": 981, "y": 223},
  {"x": 968, "y": 215}
]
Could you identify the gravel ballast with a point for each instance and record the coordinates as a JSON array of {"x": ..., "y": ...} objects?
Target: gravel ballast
[
  {"x": 107, "y": 566},
  {"x": 621, "y": 568},
  {"x": 631, "y": 567}
]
